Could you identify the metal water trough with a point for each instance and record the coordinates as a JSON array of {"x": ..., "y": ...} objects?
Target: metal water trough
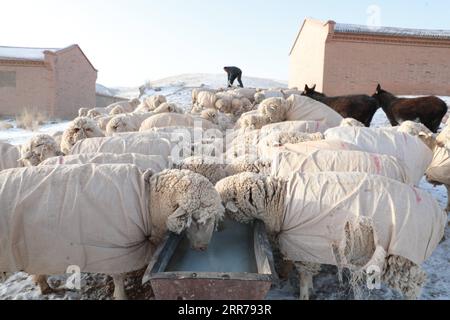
[{"x": 192, "y": 285}]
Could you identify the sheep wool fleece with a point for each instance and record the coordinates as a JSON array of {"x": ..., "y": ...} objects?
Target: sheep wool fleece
[
  {"x": 92, "y": 216},
  {"x": 407, "y": 222},
  {"x": 439, "y": 169},
  {"x": 9, "y": 156}
]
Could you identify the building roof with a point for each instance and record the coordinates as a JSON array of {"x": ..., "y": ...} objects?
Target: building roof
[
  {"x": 344, "y": 28},
  {"x": 35, "y": 54},
  {"x": 391, "y": 31},
  {"x": 18, "y": 53}
]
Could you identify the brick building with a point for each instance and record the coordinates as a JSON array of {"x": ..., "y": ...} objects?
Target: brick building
[
  {"x": 55, "y": 81},
  {"x": 351, "y": 59}
]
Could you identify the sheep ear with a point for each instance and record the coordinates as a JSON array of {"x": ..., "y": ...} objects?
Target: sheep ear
[
  {"x": 232, "y": 207},
  {"x": 178, "y": 221}
]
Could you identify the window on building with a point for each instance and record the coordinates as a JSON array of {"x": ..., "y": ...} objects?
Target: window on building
[{"x": 7, "y": 79}]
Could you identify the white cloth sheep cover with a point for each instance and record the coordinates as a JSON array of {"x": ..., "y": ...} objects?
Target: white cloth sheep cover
[
  {"x": 304, "y": 108},
  {"x": 9, "y": 156},
  {"x": 407, "y": 148},
  {"x": 176, "y": 120},
  {"x": 295, "y": 126},
  {"x": 147, "y": 145},
  {"x": 287, "y": 163},
  {"x": 407, "y": 222},
  {"x": 155, "y": 163},
  {"x": 95, "y": 217},
  {"x": 439, "y": 169},
  {"x": 311, "y": 146}
]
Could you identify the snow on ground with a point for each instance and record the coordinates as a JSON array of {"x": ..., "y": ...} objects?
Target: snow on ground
[
  {"x": 327, "y": 286},
  {"x": 18, "y": 136}
]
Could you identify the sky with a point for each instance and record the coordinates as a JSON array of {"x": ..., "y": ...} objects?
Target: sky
[{"x": 132, "y": 41}]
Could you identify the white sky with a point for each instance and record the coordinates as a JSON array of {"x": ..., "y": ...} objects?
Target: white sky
[{"x": 130, "y": 41}]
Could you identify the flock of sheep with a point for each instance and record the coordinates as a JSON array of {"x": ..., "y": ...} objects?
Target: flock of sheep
[{"x": 330, "y": 191}]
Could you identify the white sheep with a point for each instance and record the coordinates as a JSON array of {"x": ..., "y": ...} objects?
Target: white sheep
[
  {"x": 356, "y": 232},
  {"x": 207, "y": 100},
  {"x": 128, "y": 106},
  {"x": 196, "y": 91},
  {"x": 130, "y": 122},
  {"x": 350, "y": 122},
  {"x": 154, "y": 102},
  {"x": 296, "y": 126},
  {"x": 142, "y": 144},
  {"x": 274, "y": 109},
  {"x": 138, "y": 208},
  {"x": 38, "y": 149},
  {"x": 97, "y": 112},
  {"x": 209, "y": 167},
  {"x": 414, "y": 129},
  {"x": 9, "y": 156},
  {"x": 411, "y": 150},
  {"x": 117, "y": 110},
  {"x": 252, "y": 120},
  {"x": 79, "y": 129},
  {"x": 155, "y": 163},
  {"x": 438, "y": 173},
  {"x": 103, "y": 121},
  {"x": 83, "y": 112},
  {"x": 176, "y": 120},
  {"x": 168, "y": 108}
]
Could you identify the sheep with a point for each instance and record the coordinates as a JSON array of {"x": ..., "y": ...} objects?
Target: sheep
[
  {"x": 443, "y": 139},
  {"x": 83, "y": 112},
  {"x": 168, "y": 108},
  {"x": 259, "y": 97},
  {"x": 438, "y": 173},
  {"x": 247, "y": 93},
  {"x": 411, "y": 150},
  {"x": 97, "y": 112},
  {"x": 277, "y": 139},
  {"x": 414, "y": 128},
  {"x": 127, "y": 106},
  {"x": 117, "y": 110},
  {"x": 296, "y": 126},
  {"x": 130, "y": 122},
  {"x": 274, "y": 109},
  {"x": 289, "y": 92},
  {"x": 219, "y": 119},
  {"x": 350, "y": 122},
  {"x": 266, "y": 94},
  {"x": 38, "y": 149},
  {"x": 102, "y": 122},
  {"x": 79, "y": 129},
  {"x": 140, "y": 209},
  {"x": 155, "y": 163},
  {"x": 209, "y": 167},
  {"x": 242, "y": 164},
  {"x": 207, "y": 100},
  {"x": 178, "y": 120},
  {"x": 9, "y": 156},
  {"x": 58, "y": 137},
  {"x": 252, "y": 121},
  {"x": 344, "y": 234},
  {"x": 142, "y": 144},
  {"x": 155, "y": 101},
  {"x": 195, "y": 93}
]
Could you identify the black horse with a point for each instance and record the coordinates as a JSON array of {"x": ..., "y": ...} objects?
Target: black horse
[
  {"x": 359, "y": 107},
  {"x": 428, "y": 110}
]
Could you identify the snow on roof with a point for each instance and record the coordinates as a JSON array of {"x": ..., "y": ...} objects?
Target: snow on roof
[
  {"x": 390, "y": 31},
  {"x": 33, "y": 54}
]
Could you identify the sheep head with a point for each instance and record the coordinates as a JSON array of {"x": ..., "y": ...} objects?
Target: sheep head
[
  {"x": 38, "y": 149},
  {"x": 210, "y": 115},
  {"x": 274, "y": 109},
  {"x": 83, "y": 112},
  {"x": 81, "y": 128},
  {"x": 185, "y": 201}
]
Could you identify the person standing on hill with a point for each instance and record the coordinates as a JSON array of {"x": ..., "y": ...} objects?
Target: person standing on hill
[{"x": 233, "y": 74}]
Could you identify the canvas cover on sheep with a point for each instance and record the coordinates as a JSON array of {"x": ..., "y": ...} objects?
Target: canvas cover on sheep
[
  {"x": 51, "y": 219},
  {"x": 287, "y": 163},
  {"x": 407, "y": 148},
  {"x": 407, "y": 222},
  {"x": 9, "y": 156}
]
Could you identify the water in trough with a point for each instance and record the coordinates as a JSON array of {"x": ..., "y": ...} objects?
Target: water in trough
[{"x": 230, "y": 251}]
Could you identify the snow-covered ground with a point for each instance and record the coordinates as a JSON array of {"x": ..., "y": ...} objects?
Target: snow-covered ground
[{"x": 178, "y": 90}]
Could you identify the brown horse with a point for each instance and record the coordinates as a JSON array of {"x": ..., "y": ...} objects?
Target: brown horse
[
  {"x": 428, "y": 110},
  {"x": 359, "y": 107}
]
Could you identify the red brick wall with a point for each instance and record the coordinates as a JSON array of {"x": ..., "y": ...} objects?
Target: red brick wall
[{"x": 357, "y": 67}]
